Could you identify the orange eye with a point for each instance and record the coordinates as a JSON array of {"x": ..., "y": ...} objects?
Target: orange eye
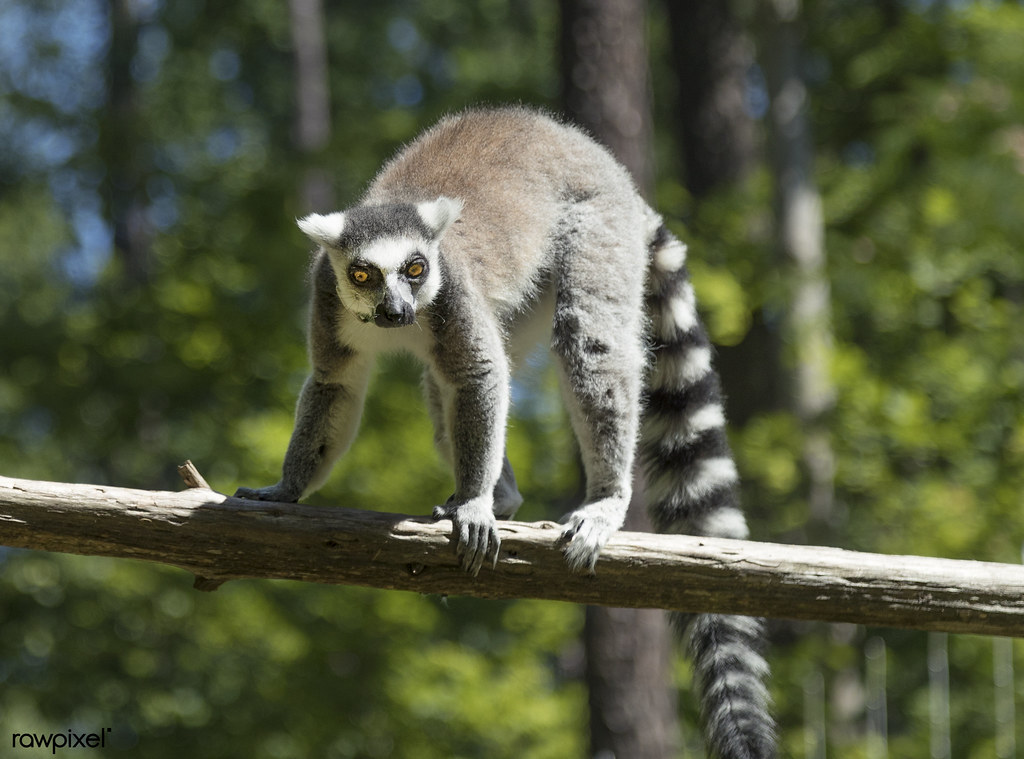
[
  {"x": 359, "y": 276},
  {"x": 414, "y": 269}
]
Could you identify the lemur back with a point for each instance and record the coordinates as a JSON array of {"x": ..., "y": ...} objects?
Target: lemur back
[
  {"x": 520, "y": 206},
  {"x": 487, "y": 221}
]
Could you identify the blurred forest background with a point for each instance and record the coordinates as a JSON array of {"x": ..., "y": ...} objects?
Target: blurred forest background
[{"x": 849, "y": 175}]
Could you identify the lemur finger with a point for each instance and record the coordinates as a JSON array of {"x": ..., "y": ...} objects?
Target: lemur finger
[
  {"x": 582, "y": 545},
  {"x": 488, "y": 539},
  {"x": 474, "y": 566},
  {"x": 467, "y": 547},
  {"x": 472, "y": 561},
  {"x": 581, "y": 557},
  {"x": 485, "y": 548},
  {"x": 495, "y": 548},
  {"x": 460, "y": 532},
  {"x": 464, "y": 543}
]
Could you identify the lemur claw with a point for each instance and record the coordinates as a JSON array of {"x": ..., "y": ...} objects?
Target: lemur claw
[
  {"x": 474, "y": 533},
  {"x": 588, "y": 529}
]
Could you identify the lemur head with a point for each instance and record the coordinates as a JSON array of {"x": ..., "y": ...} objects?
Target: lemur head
[{"x": 385, "y": 257}]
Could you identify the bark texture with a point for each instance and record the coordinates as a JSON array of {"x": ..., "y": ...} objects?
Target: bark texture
[{"x": 221, "y": 538}]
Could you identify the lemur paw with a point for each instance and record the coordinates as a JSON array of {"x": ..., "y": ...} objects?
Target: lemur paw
[
  {"x": 474, "y": 531},
  {"x": 278, "y": 493},
  {"x": 588, "y": 529}
]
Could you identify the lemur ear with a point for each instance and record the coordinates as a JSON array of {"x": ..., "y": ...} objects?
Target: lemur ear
[
  {"x": 439, "y": 214},
  {"x": 323, "y": 230}
]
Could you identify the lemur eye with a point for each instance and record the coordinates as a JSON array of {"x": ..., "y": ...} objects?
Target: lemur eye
[
  {"x": 414, "y": 269},
  {"x": 360, "y": 276}
]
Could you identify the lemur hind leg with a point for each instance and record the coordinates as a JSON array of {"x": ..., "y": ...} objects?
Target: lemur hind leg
[
  {"x": 507, "y": 498},
  {"x": 597, "y": 337}
]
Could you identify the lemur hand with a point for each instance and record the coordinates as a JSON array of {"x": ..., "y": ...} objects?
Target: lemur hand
[
  {"x": 588, "y": 529},
  {"x": 475, "y": 532}
]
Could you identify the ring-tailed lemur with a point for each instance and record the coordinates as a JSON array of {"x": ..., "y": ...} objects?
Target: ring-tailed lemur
[{"x": 489, "y": 225}]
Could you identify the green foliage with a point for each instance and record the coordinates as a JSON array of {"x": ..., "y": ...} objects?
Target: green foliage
[
  {"x": 916, "y": 114},
  {"x": 277, "y": 669},
  {"x": 927, "y": 296},
  {"x": 109, "y": 380},
  {"x": 916, "y": 120}
]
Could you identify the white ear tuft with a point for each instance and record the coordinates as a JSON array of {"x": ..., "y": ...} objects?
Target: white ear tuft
[
  {"x": 439, "y": 214},
  {"x": 323, "y": 230}
]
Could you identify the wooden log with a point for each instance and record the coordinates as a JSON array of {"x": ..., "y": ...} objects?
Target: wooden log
[{"x": 219, "y": 538}]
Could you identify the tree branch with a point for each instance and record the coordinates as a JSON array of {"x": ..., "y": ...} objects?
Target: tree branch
[{"x": 219, "y": 538}]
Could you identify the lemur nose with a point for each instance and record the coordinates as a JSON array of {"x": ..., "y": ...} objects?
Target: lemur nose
[{"x": 392, "y": 317}]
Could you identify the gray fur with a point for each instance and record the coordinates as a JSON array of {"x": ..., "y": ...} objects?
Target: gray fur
[{"x": 482, "y": 226}]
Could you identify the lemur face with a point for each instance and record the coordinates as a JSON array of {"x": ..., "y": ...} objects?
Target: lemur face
[
  {"x": 385, "y": 257},
  {"x": 388, "y": 280}
]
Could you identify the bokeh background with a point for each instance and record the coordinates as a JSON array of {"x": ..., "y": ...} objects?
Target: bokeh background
[{"x": 849, "y": 175}]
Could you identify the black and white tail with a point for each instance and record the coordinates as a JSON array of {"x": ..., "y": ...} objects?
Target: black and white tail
[{"x": 692, "y": 488}]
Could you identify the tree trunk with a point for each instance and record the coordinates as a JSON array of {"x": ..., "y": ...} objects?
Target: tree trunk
[
  {"x": 312, "y": 130},
  {"x": 120, "y": 146},
  {"x": 629, "y": 651},
  {"x": 800, "y": 239},
  {"x": 711, "y": 59},
  {"x": 800, "y": 245},
  {"x": 605, "y": 83}
]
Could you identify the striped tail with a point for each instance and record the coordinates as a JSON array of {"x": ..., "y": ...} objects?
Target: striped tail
[{"x": 692, "y": 488}]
